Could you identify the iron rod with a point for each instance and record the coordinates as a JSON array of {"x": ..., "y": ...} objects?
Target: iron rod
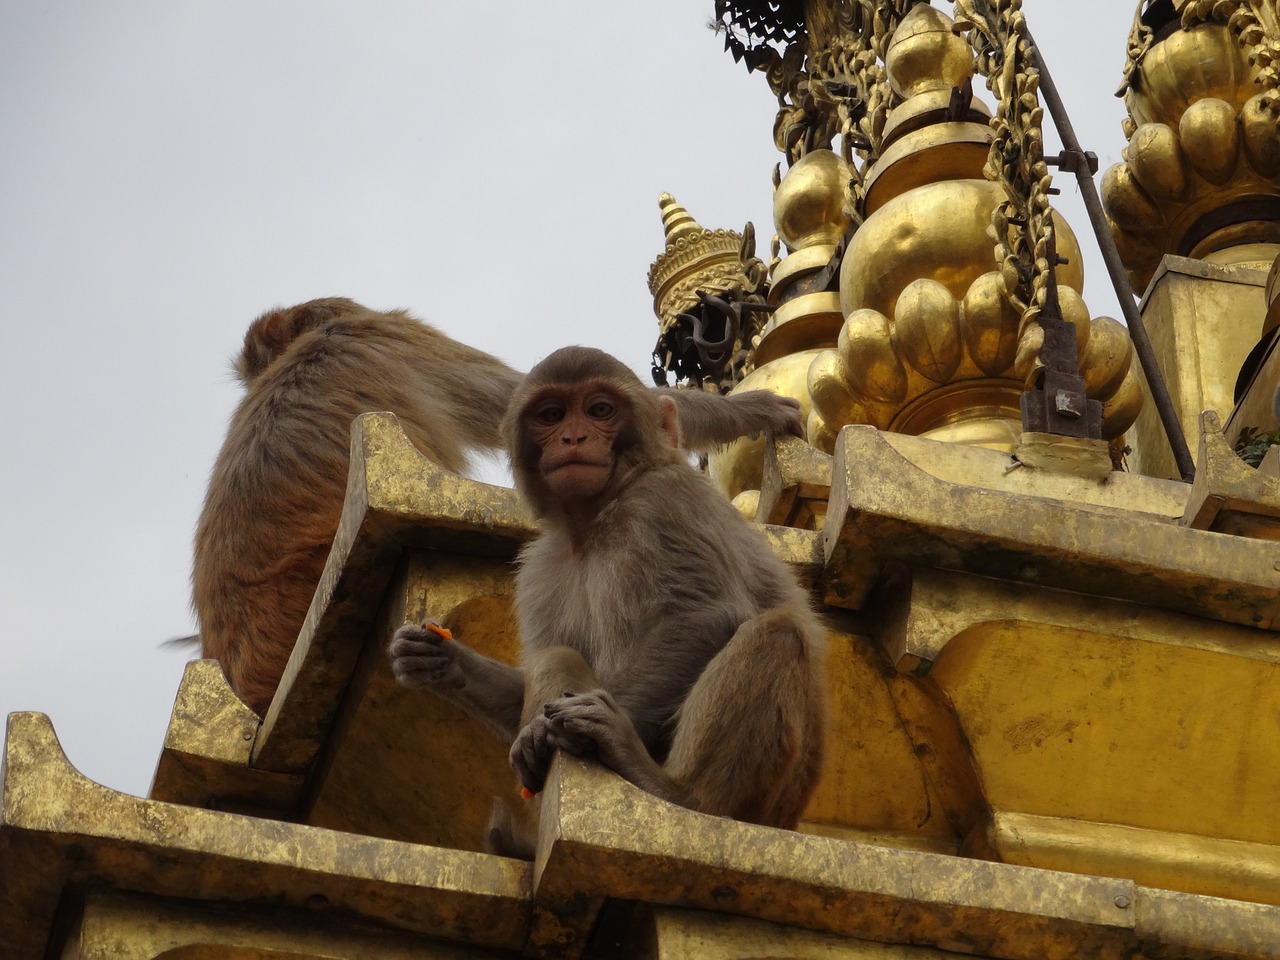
[{"x": 1111, "y": 256}]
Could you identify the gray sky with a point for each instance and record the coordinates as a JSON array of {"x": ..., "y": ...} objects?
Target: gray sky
[{"x": 170, "y": 170}]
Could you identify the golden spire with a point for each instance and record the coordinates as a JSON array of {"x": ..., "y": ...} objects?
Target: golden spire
[
  {"x": 676, "y": 220},
  {"x": 694, "y": 259},
  {"x": 932, "y": 342}
]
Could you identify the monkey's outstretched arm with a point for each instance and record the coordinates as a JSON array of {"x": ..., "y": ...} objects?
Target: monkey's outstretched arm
[
  {"x": 491, "y": 691},
  {"x": 708, "y": 419}
]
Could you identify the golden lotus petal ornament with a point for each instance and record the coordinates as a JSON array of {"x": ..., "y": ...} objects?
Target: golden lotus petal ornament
[
  {"x": 1211, "y": 139},
  {"x": 1155, "y": 159},
  {"x": 866, "y": 345},
  {"x": 1106, "y": 358},
  {"x": 1259, "y": 137},
  {"x": 990, "y": 325},
  {"x": 927, "y": 329}
]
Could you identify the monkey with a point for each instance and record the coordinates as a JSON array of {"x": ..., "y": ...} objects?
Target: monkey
[
  {"x": 659, "y": 632},
  {"x": 277, "y": 486}
]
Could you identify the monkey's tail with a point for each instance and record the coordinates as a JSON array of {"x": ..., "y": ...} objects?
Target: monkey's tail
[{"x": 179, "y": 643}]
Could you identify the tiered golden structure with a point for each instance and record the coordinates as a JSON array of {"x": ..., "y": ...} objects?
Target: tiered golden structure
[{"x": 1054, "y": 685}]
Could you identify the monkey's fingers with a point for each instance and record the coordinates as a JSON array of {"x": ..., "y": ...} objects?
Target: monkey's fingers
[
  {"x": 530, "y": 755},
  {"x": 411, "y": 645},
  {"x": 426, "y": 672},
  {"x": 575, "y": 724},
  {"x": 411, "y": 633},
  {"x": 793, "y": 425}
]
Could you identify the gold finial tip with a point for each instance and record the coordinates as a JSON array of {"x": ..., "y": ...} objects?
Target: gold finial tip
[
  {"x": 676, "y": 220},
  {"x": 925, "y": 54}
]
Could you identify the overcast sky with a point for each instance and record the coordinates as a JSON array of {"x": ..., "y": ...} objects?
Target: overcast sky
[{"x": 170, "y": 170}]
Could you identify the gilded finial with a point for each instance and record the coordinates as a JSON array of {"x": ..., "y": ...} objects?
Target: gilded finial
[
  {"x": 676, "y": 220},
  {"x": 925, "y": 54},
  {"x": 694, "y": 259}
]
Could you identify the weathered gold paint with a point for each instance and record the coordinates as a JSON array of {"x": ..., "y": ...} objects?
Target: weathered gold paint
[
  {"x": 698, "y": 935},
  {"x": 795, "y": 485},
  {"x": 1091, "y": 737},
  {"x": 1203, "y": 319},
  {"x": 885, "y": 506},
  {"x": 602, "y": 837},
  {"x": 207, "y": 749},
  {"x": 396, "y": 498},
  {"x": 1190, "y": 862},
  {"x": 1228, "y": 495},
  {"x": 127, "y": 927},
  {"x": 59, "y": 830}
]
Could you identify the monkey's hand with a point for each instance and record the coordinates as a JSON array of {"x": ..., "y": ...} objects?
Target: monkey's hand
[
  {"x": 763, "y": 410},
  {"x": 533, "y": 747},
  {"x": 591, "y": 724},
  {"x": 426, "y": 658}
]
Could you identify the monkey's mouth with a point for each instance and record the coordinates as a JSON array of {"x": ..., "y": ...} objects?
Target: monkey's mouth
[
  {"x": 578, "y": 477},
  {"x": 578, "y": 460}
]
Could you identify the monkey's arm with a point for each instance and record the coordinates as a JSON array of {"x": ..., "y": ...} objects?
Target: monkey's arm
[
  {"x": 709, "y": 419},
  {"x": 489, "y": 690}
]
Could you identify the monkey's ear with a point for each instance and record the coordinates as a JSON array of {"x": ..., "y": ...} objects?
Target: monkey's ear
[
  {"x": 669, "y": 422},
  {"x": 277, "y": 330}
]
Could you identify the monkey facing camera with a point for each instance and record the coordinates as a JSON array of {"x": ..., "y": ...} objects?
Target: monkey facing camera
[{"x": 659, "y": 632}]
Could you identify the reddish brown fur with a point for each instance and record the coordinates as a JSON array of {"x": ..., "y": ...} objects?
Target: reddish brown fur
[
  {"x": 276, "y": 492},
  {"x": 277, "y": 487}
]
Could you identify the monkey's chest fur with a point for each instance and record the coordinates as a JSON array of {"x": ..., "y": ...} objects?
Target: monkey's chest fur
[{"x": 650, "y": 596}]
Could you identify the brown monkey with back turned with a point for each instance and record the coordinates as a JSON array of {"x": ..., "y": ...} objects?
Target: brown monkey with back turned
[
  {"x": 659, "y": 632},
  {"x": 276, "y": 491}
]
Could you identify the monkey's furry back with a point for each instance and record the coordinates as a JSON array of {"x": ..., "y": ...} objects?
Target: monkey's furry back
[{"x": 277, "y": 487}]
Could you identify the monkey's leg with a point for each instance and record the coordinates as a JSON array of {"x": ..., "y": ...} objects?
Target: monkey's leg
[
  {"x": 512, "y": 832},
  {"x": 748, "y": 739},
  {"x": 550, "y": 675}
]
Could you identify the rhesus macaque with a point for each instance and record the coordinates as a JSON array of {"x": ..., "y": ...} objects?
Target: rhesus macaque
[
  {"x": 659, "y": 632},
  {"x": 276, "y": 492}
]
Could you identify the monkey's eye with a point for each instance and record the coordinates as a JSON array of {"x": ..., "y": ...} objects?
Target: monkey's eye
[
  {"x": 549, "y": 413},
  {"x": 600, "y": 410}
]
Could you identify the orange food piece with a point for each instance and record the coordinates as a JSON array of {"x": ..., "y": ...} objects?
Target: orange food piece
[
  {"x": 526, "y": 793},
  {"x": 443, "y": 633}
]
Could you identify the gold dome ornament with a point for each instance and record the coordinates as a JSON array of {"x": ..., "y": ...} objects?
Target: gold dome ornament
[
  {"x": 1199, "y": 174},
  {"x": 939, "y": 131},
  {"x": 809, "y": 216},
  {"x": 932, "y": 343}
]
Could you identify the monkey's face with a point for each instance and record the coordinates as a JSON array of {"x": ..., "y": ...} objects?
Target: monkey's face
[{"x": 576, "y": 429}]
